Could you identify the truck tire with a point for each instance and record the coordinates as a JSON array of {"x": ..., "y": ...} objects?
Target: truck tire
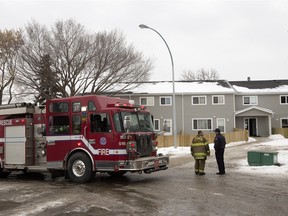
[{"x": 80, "y": 168}]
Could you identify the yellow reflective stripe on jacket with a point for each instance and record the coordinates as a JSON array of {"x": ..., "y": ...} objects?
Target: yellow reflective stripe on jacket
[
  {"x": 200, "y": 155},
  {"x": 198, "y": 144}
]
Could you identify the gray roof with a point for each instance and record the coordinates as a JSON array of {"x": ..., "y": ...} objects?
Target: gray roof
[{"x": 260, "y": 84}]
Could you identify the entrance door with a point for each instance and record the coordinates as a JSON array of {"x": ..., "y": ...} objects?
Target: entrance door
[
  {"x": 169, "y": 127},
  {"x": 250, "y": 124}
]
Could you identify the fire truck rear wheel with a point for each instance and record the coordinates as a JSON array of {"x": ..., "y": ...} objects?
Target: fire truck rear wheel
[{"x": 80, "y": 168}]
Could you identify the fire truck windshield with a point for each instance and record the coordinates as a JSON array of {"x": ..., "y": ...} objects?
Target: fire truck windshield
[{"x": 139, "y": 121}]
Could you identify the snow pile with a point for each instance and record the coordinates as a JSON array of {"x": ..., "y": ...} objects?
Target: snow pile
[
  {"x": 181, "y": 151},
  {"x": 175, "y": 152}
]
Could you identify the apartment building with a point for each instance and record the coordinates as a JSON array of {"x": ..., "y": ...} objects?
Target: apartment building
[{"x": 257, "y": 106}]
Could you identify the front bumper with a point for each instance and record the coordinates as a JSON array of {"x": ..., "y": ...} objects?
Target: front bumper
[{"x": 146, "y": 164}]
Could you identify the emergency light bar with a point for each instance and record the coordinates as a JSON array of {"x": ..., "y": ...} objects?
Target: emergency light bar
[{"x": 127, "y": 105}]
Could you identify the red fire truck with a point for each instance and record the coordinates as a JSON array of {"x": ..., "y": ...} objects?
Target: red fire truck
[{"x": 79, "y": 136}]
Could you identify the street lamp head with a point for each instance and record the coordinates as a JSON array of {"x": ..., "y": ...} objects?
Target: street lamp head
[{"x": 143, "y": 26}]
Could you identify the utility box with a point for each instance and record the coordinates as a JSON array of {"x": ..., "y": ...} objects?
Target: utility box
[{"x": 262, "y": 158}]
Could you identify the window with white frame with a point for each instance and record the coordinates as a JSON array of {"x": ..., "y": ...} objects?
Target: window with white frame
[
  {"x": 221, "y": 124},
  {"x": 198, "y": 100},
  {"x": 284, "y": 123},
  {"x": 283, "y": 99},
  {"x": 147, "y": 101},
  {"x": 218, "y": 99},
  {"x": 169, "y": 127},
  {"x": 157, "y": 124},
  {"x": 165, "y": 101},
  {"x": 202, "y": 124},
  {"x": 250, "y": 100}
]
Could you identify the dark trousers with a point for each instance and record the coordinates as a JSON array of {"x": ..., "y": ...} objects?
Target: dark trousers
[{"x": 219, "y": 154}]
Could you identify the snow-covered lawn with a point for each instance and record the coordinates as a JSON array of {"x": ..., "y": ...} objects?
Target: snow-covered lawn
[{"x": 274, "y": 143}]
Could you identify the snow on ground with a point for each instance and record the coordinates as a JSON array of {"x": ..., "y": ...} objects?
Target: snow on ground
[
  {"x": 181, "y": 151},
  {"x": 274, "y": 143},
  {"x": 277, "y": 144}
]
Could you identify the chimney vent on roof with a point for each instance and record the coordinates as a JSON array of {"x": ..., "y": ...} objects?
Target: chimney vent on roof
[{"x": 248, "y": 79}]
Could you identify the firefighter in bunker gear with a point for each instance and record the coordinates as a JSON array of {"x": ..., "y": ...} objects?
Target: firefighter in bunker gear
[{"x": 200, "y": 150}]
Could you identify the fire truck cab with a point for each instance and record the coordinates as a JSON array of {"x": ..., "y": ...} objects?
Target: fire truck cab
[{"x": 79, "y": 136}]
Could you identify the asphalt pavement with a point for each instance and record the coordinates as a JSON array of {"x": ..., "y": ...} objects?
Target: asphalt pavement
[{"x": 176, "y": 191}]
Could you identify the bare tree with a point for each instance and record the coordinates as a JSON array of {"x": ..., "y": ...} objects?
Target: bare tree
[
  {"x": 188, "y": 75},
  {"x": 202, "y": 74},
  {"x": 78, "y": 62},
  {"x": 117, "y": 63},
  {"x": 10, "y": 43}
]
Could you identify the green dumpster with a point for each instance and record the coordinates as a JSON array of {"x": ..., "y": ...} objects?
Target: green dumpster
[{"x": 256, "y": 158}]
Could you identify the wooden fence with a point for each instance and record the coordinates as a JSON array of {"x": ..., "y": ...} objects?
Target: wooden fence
[
  {"x": 282, "y": 131},
  {"x": 185, "y": 140}
]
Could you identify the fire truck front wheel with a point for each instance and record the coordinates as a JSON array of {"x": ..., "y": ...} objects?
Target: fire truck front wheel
[{"x": 80, "y": 168}]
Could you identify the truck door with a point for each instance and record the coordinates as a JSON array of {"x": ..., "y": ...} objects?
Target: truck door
[
  {"x": 58, "y": 133},
  {"x": 100, "y": 135}
]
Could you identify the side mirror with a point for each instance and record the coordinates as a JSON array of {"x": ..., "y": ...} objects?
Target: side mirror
[{"x": 127, "y": 123}]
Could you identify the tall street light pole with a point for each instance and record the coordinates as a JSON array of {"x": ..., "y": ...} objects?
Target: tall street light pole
[{"x": 173, "y": 84}]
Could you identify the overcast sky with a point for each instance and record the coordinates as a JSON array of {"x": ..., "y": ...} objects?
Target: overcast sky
[{"x": 238, "y": 38}]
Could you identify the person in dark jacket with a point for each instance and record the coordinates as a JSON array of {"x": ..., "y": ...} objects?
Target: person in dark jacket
[{"x": 219, "y": 146}]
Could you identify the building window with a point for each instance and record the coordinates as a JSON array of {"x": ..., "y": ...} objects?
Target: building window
[
  {"x": 147, "y": 101},
  {"x": 284, "y": 99},
  {"x": 166, "y": 101},
  {"x": 284, "y": 123},
  {"x": 198, "y": 100},
  {"x": 218, "y": 99},
  {"x": 221, "y": 124},
  {"x": 250, "y": 100},
  {"x": 202, "y": 124},
  {"x": 157, "y": 124}
]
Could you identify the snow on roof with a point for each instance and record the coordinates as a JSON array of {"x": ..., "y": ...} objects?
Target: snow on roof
[
  {"x": 199, "y": 87},
  {"x": 183, "y": 87},
  {"x": 280, "y": 89}
]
